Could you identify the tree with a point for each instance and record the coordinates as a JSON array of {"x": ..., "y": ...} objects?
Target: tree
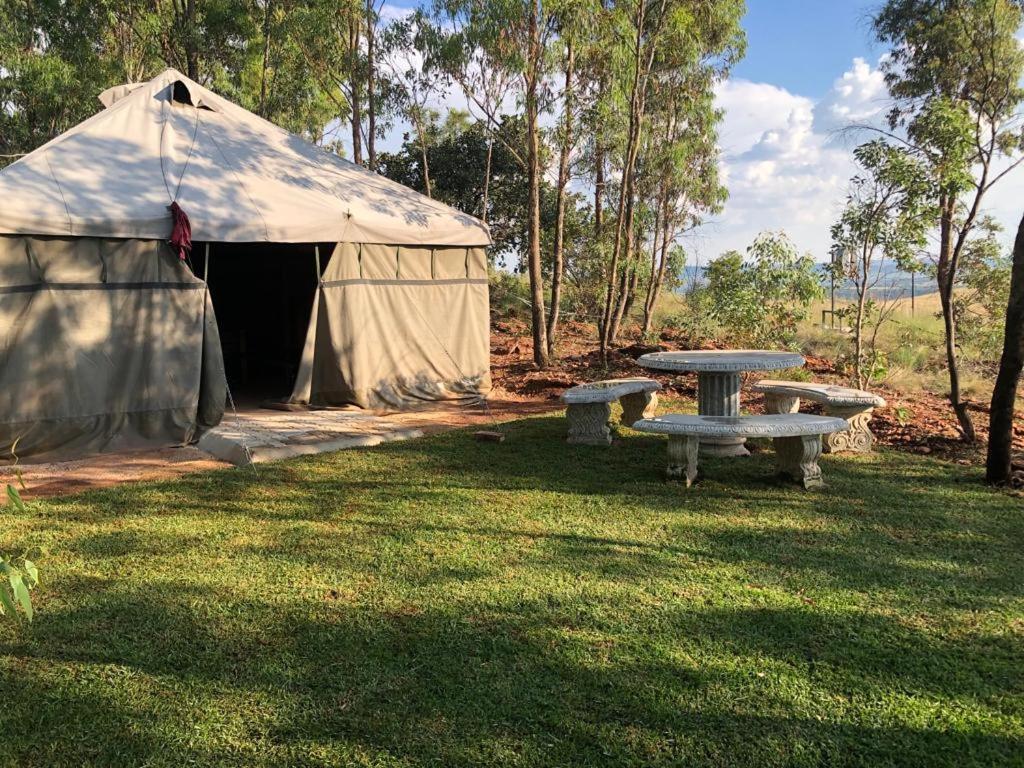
[
  {"x": 417, "y": 80},
  {"x": 954, "y": 71},
  {"x": 682, "y": 160},
  {"x": 886, "y": 217},
  {"x": 653, "y": 44},
  {"x": 566, "y": 141},
  {"x": 457, "y": 155},
  {"x": 506, "y": 42},
  {"x": 998, "y": 463},
  {"x": 759, "y": 301},
  {"x": 983, "y": 288},
  {"x": 57, "y": 57}
]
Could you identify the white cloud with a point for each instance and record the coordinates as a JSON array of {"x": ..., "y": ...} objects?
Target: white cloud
[
  {"x": 786, "y": 162},
  {"x": 780, "y": 166},
  {"x": 858, "y": 96}
]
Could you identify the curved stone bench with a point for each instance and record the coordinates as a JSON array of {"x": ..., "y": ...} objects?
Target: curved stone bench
[
  {"x": 854, "y": 405},
  {"x": 796, "y": 437},
  {"x": 588, "y": 407}
]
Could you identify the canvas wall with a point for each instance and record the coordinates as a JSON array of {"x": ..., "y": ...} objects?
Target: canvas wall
[
  {"x": 394, "y": 327},
  {"x": 104, "y": 345}
]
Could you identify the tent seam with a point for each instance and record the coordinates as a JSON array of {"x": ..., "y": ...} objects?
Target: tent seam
[
  {"x": 60, "y": 191},
  {"x": 77, "y": 417}
]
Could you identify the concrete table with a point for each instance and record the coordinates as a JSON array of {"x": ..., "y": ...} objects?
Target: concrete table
[{"x": 719, "y": 375}]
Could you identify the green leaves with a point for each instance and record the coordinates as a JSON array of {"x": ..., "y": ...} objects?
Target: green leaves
[
  {"x": 14, "y": 498},
  {"x": 760, "y": 300},
  {"x": 15, "y": 583}
]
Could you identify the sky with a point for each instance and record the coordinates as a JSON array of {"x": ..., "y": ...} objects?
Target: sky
[{"x": 811, "y": 69}]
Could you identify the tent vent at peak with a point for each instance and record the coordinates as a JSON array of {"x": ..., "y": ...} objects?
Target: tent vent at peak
[{"x": 180, "y": 94}]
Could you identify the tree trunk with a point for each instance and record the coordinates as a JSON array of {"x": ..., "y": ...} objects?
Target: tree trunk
[
  {"x": 540, "y": 344},
  {"x": 1004, "y": 395},
  {"x": 657, "y": 281},
  {"x": 599, "y": 185},
  {"x": 191, "y": 43},
  {"x": 645, "y": 325},
  {"x": 354, "y": 83},
  {"x": 946, "y": 275},
  {"x": 371, "y": 85},
  {"x": 267, "y": 10},
  {"x": 424, "y": 155},
  {"x": 622, "y": 300},
  {"x": 858, "y": 325},
  {"x": 627, "y": 305},
  {"x": 657, "y": 276},
  {"x": 558, "y": 263},
  {"x": 487, "y": 178},
  {"x": 624, "y": 224},
  {"x": 627, "y": 283},
  {"x": 185, "y": 27}
]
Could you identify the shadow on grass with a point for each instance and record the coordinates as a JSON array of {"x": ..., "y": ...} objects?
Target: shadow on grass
[
  {"x": 886, "y": 521},
  {"x": 465, "y": 685}
]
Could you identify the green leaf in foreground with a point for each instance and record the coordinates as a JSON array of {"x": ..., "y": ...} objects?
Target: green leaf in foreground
[
  {"x": 32, "y": 572},
  {"x": 6, "y": 602},
  {"x": 20, "y": 592},
  {"x": 14, "y": 498}
]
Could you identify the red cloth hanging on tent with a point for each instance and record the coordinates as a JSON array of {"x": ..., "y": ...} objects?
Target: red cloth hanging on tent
[{"x": 181, "y": 232}]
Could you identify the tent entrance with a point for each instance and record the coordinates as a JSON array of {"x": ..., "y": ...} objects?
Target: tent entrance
[{"x": 262, "y": 296}]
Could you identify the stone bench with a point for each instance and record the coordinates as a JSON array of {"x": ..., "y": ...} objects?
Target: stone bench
[
  {"x": 796, "y": 437},
  {"x": 854, "y": 405},
  {"x": 588, "y": 407}
]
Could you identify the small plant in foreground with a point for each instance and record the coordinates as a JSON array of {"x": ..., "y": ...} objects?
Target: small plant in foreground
[{"x": 17, "y": 578}]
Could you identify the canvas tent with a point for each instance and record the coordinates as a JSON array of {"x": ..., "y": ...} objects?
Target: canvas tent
[{"x": 109, "y": 340}]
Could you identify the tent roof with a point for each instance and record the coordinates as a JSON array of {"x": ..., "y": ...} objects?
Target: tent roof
[{"x": 238, "y": 177}]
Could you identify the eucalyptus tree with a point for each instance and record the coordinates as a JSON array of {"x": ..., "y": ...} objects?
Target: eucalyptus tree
[
  {"x": 339, "y": 41},
  {"x": 887, "y": 216},
  {"x": 408, "y": 50},
  {"x": 954, "y": 71},
  {"x": 509, "y": 39},
  {"x": 573, "y": 19},
  {"x": 56, "y": 57},
  {"x": 691, "y": 45},
  {"x": 683, "y": 165}
]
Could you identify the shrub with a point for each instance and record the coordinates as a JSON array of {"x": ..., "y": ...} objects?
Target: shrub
[{"x": 759, "y": 301}]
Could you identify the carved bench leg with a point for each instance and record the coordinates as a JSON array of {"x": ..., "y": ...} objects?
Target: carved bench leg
[
  {"x": 797, "y": 459},
  {"x": 682, "y": 459},
  {"x": 640, "y": 405},
  {"x": 781, "y": 403},
  {"x": 858, "y": 438},
  {"x": 588, "y": 423}
]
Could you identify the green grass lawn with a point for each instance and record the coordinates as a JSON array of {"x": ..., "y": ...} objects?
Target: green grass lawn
[{"x": 453, "y": 603}]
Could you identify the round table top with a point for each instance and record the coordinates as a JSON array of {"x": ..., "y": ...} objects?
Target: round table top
[{"x": 721, "y": 361}]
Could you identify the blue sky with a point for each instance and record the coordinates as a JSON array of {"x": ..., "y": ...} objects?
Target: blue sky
[{"x": 801, "y": 44}]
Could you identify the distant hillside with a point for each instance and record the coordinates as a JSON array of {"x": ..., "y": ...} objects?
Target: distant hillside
[{"x": 892, "y": 282}]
